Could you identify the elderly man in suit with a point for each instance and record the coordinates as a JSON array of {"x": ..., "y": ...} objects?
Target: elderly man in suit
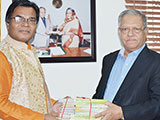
[
  {"x": 131, "y": 76},
  {"x": 42, "y": 35}
]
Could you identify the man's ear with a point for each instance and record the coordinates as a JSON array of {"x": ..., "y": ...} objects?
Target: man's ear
[
  {"x": 7, "y": 24},
  {"x": 119, "y": 32},
  {"x": 146, "y": 30}
]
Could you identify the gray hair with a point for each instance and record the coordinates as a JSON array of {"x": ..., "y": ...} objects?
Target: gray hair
[{"x": 132, "y": 12}]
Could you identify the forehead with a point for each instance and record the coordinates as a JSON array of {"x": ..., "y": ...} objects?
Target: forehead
[
  {"x": 69, "y": 11},
  {"x": 24, "y": 11},
  {"x": 130, "y": 19},
  {"x": 42, "y": 10}
]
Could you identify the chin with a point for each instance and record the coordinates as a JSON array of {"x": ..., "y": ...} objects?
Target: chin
[
  {"x": 24, "y": 40},
  {"x": 132, "y": 48}
]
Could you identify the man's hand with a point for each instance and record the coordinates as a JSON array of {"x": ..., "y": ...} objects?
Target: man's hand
[
  {"x": 57, "y": 107},
  {"x": 113, "y": 112},
  {"x": 51, "y": 116}
]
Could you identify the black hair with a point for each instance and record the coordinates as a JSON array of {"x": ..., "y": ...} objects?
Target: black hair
[
  {"x": 73, "y": 11},
  {"x": 25, "y": 3}
]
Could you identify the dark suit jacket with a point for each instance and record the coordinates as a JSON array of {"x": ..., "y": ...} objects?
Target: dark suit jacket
[{"x": 139, "y": 94}]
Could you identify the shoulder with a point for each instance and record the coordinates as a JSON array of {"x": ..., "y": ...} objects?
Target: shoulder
[
  {"x": 2, "y": 57},
  {"x": 111, "y": 55},
  {"x": 152, "y": 55},
  {"x": 3, "y": 60},
  {"x": 150, "y": 59},
  {"x": 110, "y": 58},
  {"x": 6, "y": 68}
]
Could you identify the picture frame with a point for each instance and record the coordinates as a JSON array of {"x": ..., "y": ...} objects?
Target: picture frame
[{"x": 86, "y": 13}]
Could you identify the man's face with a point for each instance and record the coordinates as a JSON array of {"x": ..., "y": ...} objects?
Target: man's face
[
  {"x": 22, "y": 31},
  {"x": 42, "y": 12},
  {"x": 132, "y": 32}
]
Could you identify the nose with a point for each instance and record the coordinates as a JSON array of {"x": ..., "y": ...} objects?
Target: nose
[
  {"x": 25, "y": 23},
  {"x": 130, "y": 32}
]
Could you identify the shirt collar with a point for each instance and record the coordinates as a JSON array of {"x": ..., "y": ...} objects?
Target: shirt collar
[
  {"x": 136, "y": 52},
  {"x": 18, "y": 44}
]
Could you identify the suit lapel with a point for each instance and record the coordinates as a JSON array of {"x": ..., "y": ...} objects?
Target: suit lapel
[{"x": 108, "y": 64}]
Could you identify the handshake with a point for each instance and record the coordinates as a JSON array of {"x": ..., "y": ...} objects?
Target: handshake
[{"x": 76, "y": 109}]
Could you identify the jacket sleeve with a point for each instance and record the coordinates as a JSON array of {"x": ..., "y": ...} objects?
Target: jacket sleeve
[
  {"x": 102, "y": 83},
  {"x": 9, "y": 110}
]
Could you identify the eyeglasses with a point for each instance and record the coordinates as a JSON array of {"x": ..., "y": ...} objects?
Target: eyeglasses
[
  {"x": 20, "y": 19},
  {"x": 134, "y": 29}
]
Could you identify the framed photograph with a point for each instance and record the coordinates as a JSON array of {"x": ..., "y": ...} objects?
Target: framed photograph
[
  {"x": 66, "y": 31},
  {"x": 69, "y": 34}
]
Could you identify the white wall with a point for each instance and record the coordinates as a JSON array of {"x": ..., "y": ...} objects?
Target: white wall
[
  {"x": 81, "y": 79},
  {"x": 58, "y": 15}
]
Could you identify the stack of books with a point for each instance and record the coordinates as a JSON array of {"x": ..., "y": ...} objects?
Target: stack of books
[{"x": 81, "y": 109}]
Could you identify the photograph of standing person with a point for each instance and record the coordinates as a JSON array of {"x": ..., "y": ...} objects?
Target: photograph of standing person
[
  {"x": 42, "y": 35},
  {"x": 71, "y": 30}
]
